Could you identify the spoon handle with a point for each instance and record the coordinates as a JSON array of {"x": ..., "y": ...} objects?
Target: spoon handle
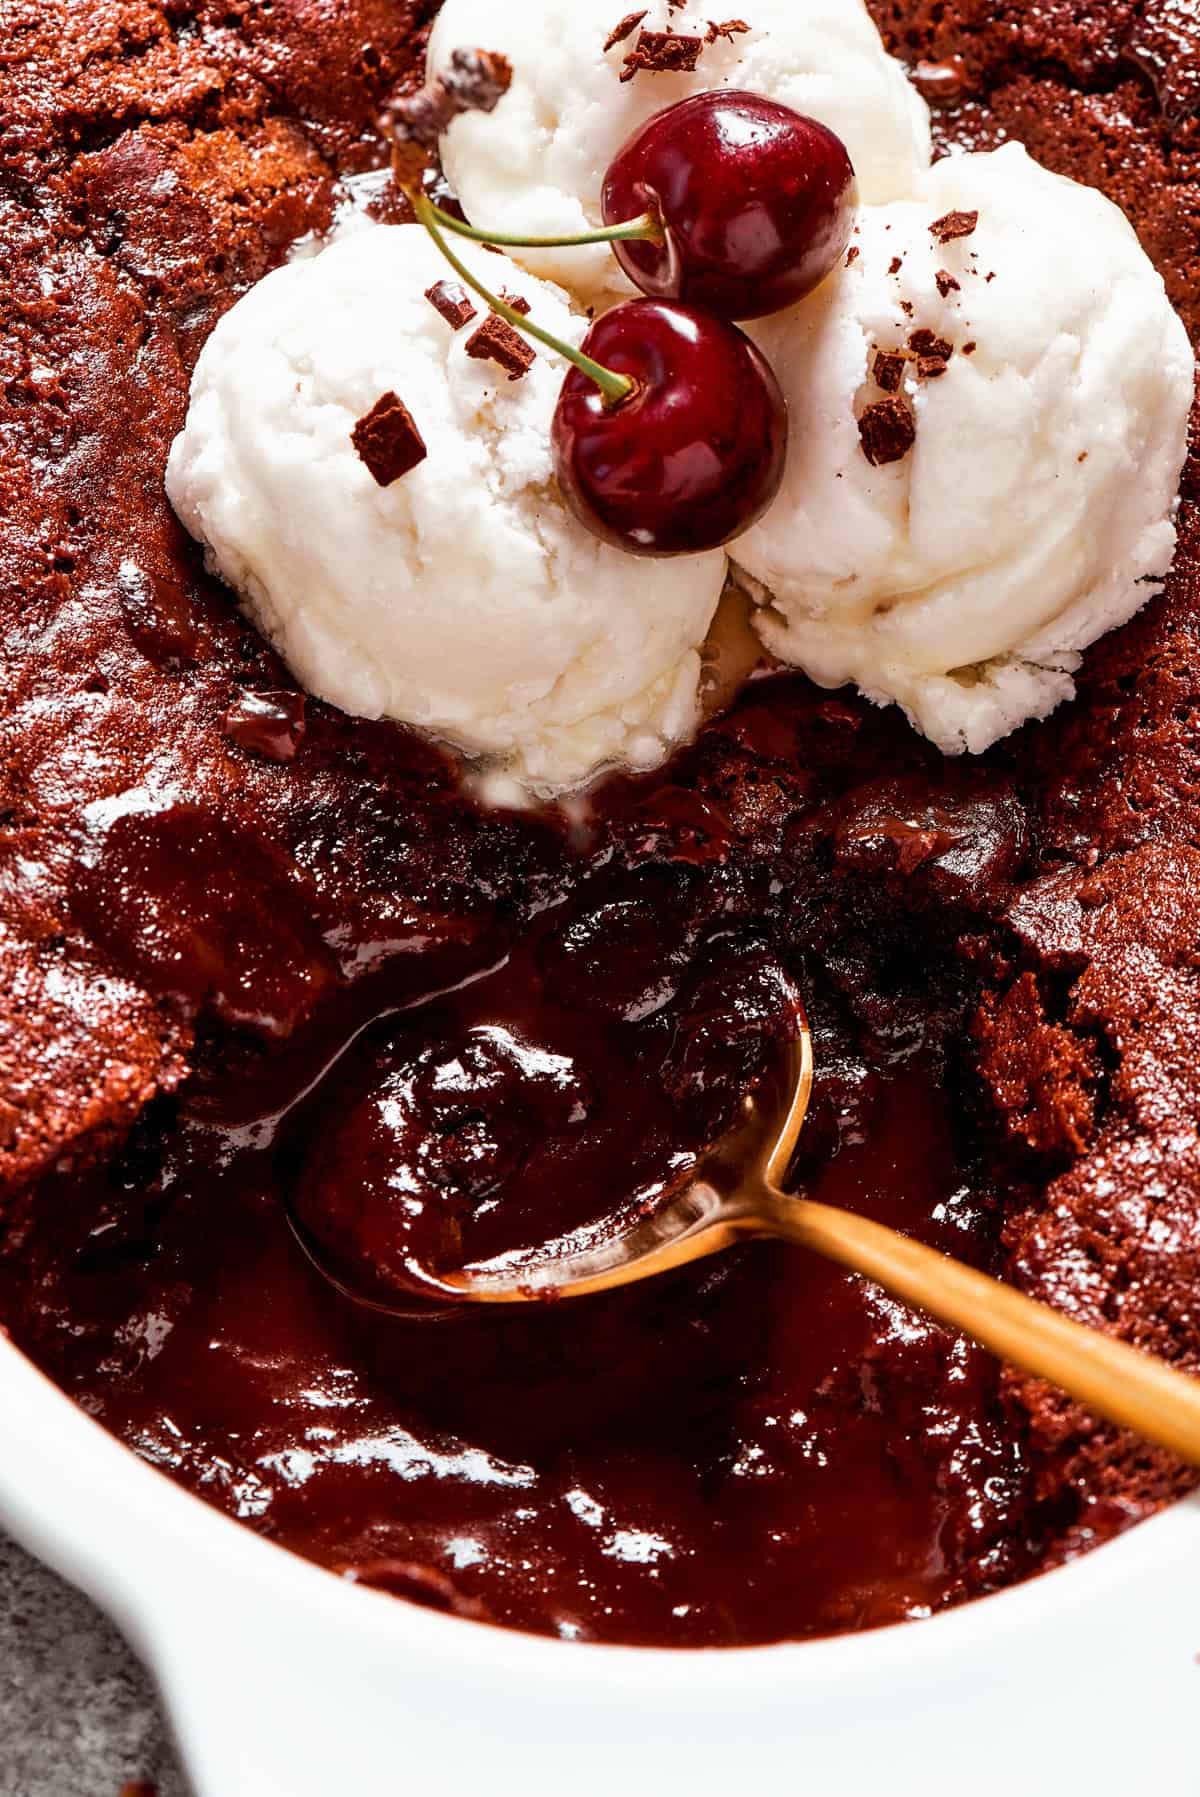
[{"x": 1123, "y": 1384}]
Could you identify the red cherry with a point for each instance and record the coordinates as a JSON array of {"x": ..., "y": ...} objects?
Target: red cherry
[
  {"x": 756, "y": 200},
  {"x": 694, "y": 456}
]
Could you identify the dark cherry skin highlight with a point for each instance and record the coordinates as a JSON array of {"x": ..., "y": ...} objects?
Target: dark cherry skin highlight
[
  {"x": 695, "y": 455},
  {"x": 670, "y": 432},
  {"x": 756, "y": 201}
]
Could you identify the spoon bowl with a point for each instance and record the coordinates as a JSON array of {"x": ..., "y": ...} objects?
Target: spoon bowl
[
  {"x": 714, "y": 1204},
  {"x": 735, "y": 1191}
]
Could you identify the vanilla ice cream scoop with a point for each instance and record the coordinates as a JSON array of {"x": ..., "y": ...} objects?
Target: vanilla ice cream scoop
[
  {"x": 462, "y": 597},
  {"x": 1034, "y": 353},
  {"x": 536, "y": 165}
]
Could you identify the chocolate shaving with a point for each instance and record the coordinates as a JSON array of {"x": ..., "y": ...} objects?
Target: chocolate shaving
[
  {"x": 476, "y": 81},
  {"x": 889, "y": 369},
  {"x": 516, "y": 301},
  {"x": 933, "y": 354},
  {"x": 895, "y": 265},
  {"x": 626, "y": 28},
  {"x": 449, "y": 298},
  {"x": 888, "y": 431},
  {"x": 968, "y": 349},
  {"x": 729, "y": 30},
  {"x": 945, "y": 283},
  {"x": 953, "y": 225},
  {"x": 852, "y": 254},
  {"x": 388, "y": 441},
  {"x": 662, "y": 53},
  {"x": 496, "y": 341},
  {"x": 417, "y": 120},
  {"x": 926, "y": 343}
]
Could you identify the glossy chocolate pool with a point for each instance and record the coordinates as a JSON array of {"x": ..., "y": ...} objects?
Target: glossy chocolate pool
[{"x": 760, "y": 1448}]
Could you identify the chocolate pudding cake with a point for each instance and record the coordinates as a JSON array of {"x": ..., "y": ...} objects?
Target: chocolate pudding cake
[{"x": 254, "y": 949}]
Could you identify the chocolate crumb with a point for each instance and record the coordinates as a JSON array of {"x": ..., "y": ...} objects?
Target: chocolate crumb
[
  {"x": 852, "y": 254},
  {"x": 889, "y": 369},
  {"x": 388, "y": 441},
  {"x": 272, "y": 724},
  {"x": 1082, "y": 456},
  {"x": 954, "y": 225},
  {"x": 925, "y": 343},
  {"x": 906, "y": 306},
  {"x": 945, "y": 283},
  {"x": 730, "y": 29},
  {"x": 625, "y": 28},
  {"x": 895, "y": 265},
  {"x": 990, "y": 278},
  {"x": 496, "y": 341},
  {"x": 929, "y": 368},
  {"x": 888, "y": 431},
  {"x": 662, "y": 53},
  {"x": 516, "y": 300},
  {"x": 968, "y": 349},
  {"x": 449, "y": 298}
]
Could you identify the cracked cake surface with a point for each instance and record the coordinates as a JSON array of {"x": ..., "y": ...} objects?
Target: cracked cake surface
[
  {"x": 197, "y": 915},
  {"x": 1105, "y": 987}
]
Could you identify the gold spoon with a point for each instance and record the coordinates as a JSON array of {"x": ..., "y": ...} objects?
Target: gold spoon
[{"x": 735, "y": 1193}]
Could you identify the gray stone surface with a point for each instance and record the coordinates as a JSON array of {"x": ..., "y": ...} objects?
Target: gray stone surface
[{"x": 78, "y": 1717}]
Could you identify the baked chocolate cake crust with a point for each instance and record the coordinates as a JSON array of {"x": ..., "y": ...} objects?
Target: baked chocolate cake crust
[
  {"x": 1095, "y": 996},
  {"x": 192, "y": 922}
]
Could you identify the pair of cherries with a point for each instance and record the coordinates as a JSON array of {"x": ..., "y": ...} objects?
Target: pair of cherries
[{"x": 670, "y": 434}]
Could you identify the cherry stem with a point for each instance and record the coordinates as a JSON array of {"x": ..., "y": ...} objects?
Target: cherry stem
[
  {"x": 646, "y": 229},
  {"x": 616, "y": 388}
]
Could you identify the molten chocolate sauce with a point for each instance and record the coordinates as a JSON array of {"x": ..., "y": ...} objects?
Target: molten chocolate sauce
[{"x": 760, "y": 1447}]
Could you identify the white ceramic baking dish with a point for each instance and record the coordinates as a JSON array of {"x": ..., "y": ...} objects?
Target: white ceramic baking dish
[{"x": 282, "y": 1681}]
